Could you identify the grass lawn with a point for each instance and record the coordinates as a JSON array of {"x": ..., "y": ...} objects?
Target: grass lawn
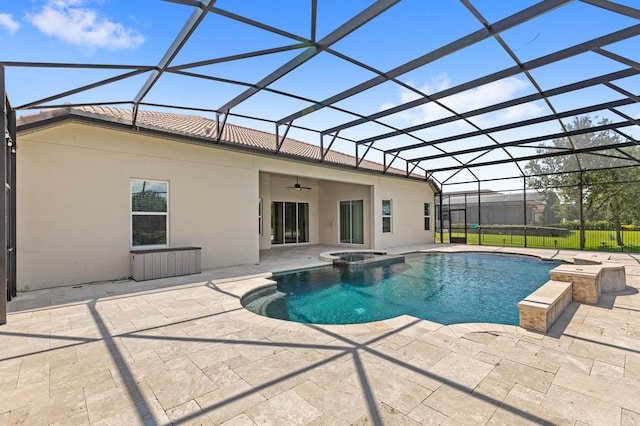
[{"x": 594, "y": 240}]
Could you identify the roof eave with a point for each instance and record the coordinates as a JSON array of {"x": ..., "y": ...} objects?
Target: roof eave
[{"x": 28, "y": 124}]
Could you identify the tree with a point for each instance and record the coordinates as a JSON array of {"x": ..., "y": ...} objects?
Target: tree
[
  {"x": 608, "y": 179},
  {"x": 148, "y": 201}
]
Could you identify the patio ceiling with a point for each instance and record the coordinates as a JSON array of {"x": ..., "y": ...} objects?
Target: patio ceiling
[{"x": 410, "y": 106}]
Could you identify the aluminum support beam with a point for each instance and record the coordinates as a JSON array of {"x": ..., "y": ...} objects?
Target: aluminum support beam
[
  {"x": 83, "y": 88},
  {"x": 475, "y": 37},
  {"x": 513, "y": 102},
  {"x": 280, "y": 140},
  {"x": 388, "y": 166},
  {"x": 518, "y": 62},
  {"x": 353, "y": 24},
  {"x": 507, "y": 72},
  {"x": 608, "y": 126},
  {"x": 626, "y": 117},
  {"x": 220, "y": 127},
  {"x": 270, "y": 90},
  {"x": 236, "y": 57},
  {"x": 624, "y": 92},
  {"x": 581, "y": 207},
  {"x": 301, "y": 58},
  {"x": 518, "y": 124},
  {"x": 239, "y": 18},
  {"x": 189, "y": 27},
  {"x": 324, "y": 152},
  {"x": 629, "y": 62},
  {"x": 71, "y": 65},
  {"x": 12, "y": 277},
  {"x": 361, "y": 159},
  {"x": 314, "y": 20},
  {"x": 588, "y": 150},
  {"x": 615, "y": 7},
  {"x": 194, "y": 3},
  {"x": 4, "y": 114}
]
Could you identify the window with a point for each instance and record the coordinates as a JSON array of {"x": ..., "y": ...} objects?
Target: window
[
  {"x": 351, "y": 222},
  {"x": 386, "y": 216},
  {"x": 259, "y": 216},
  {"x": 427, "y": 216},
  {"x": 289, "y": 222},
  {"x": 149, "y": 213}
]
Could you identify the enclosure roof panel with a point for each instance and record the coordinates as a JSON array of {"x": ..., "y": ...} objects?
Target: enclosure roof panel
[{"x": 448, "y": 91}]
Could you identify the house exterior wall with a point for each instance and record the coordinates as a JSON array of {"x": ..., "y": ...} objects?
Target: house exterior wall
[
  {"x": 73, "y": 201},
  {"x": 265, "y": 196},
  {"x": 407, "y": 218},
  {"x": 331, "y": 193}
]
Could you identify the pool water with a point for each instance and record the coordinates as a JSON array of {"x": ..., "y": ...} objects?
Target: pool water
[{"x": 447, "y": 288}]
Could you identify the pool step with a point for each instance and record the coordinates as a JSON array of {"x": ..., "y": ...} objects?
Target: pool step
[{"x": 261, "y": 298}]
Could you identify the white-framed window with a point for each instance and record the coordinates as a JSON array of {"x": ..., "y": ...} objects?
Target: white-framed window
[
  {"x": 351, "y": 214},
  {"x": 149, "y": 213},
  {"x": 427, "y": 216},
  {"x": 259, "y": 216},
  {"x": 386, "y": 216}
]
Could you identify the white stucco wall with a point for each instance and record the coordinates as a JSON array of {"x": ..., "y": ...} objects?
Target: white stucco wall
[
  {"x": 73, "y": 201},
  {"x": 407, "y": 217},
  {"x": 331, "y": 195}
]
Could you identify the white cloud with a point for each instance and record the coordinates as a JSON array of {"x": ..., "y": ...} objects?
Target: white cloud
[
  {"x": 74, "y": 23},
  {"x": 519, "y": 112},
  {"x": 497, "y": 91},
  {"x": 478, "y": 97},
  {"x": 425, "y": 112},
  {"x": 8, "y": 23}
]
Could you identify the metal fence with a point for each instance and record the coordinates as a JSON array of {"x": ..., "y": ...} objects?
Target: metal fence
[{"x": 527, "y": 218}]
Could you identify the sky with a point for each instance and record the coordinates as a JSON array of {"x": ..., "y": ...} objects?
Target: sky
[{"x": 139, "y": 32}]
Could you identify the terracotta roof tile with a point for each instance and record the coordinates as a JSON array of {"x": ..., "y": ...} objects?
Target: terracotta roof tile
[{"x": 201, "y": 127}]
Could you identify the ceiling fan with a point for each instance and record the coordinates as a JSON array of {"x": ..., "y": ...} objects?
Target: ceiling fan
[{"x": 297, "y": 186}]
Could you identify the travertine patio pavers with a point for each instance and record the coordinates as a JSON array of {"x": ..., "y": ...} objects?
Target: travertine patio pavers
[{"x": 188, "y": 353}]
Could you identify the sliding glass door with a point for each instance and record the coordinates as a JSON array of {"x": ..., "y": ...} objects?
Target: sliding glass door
[
  {"x": 351, "y": 222},
  {"x": 289, "y": 222}
]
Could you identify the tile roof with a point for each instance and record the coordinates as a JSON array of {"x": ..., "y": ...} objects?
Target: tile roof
[{"x": 203, "y": 128}]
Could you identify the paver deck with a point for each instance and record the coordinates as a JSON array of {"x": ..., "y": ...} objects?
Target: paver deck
[{"x": 183, "y": 351}]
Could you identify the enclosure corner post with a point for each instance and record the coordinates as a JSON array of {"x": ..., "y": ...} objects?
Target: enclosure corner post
[
  {"x": 479, "y": 217},
  {"x": 6, "y": 139},
  {"x": 524, "y": 209},
  {"x": 580, "y": 205}
]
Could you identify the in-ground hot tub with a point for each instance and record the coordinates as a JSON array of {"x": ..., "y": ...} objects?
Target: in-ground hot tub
[{"x": 358, "y": 259}]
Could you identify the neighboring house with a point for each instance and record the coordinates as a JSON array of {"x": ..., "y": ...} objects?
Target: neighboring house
[
  {"x": 92, "y": 187},
  {"x": 498, "y": 208}
]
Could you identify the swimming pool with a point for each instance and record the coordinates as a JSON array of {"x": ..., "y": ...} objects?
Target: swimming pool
[{"x": 447, "y": 288}]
